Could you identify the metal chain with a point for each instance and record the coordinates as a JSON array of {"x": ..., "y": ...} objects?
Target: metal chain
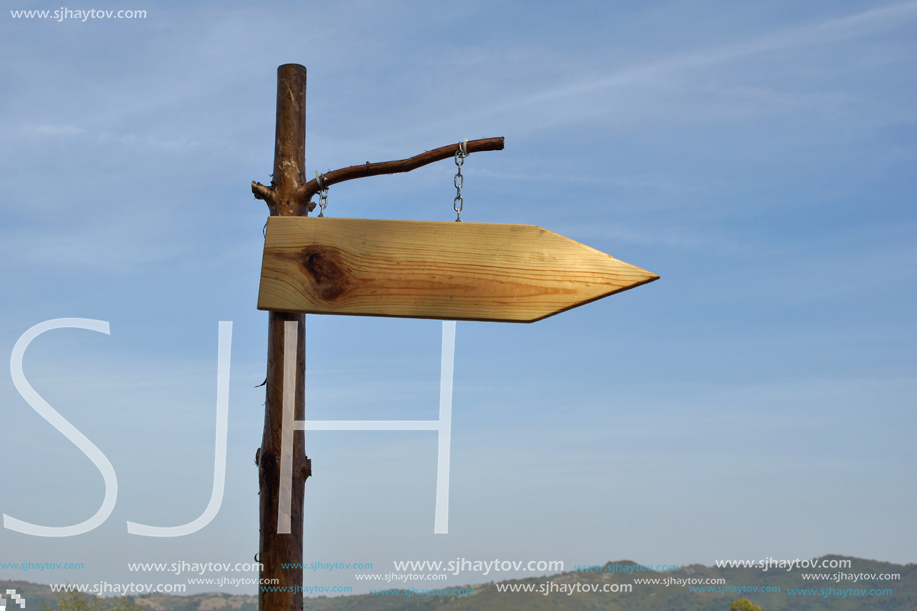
[
  {"x": 322, "y": 201},
  {"x": 322, "y": 193},
  {"x": 459, "y": 180}
]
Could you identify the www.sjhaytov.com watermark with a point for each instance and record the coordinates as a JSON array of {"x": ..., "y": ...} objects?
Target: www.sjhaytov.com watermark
[{"x": 66, "y": 14}]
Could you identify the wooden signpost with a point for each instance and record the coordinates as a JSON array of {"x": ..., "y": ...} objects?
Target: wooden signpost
[
  {"x": 418, "y": 269},
  {"x": 412, "y": 269}
]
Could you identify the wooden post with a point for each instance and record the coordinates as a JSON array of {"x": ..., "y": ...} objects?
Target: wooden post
[{"x": 283, "y": 200}]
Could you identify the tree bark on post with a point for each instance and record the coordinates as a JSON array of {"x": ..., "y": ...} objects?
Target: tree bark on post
[{"x": 283, "y": 199}]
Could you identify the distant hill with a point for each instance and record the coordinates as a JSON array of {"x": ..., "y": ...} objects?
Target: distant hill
[
  {"x": 35, "y": 594},
  {"x": 787, "y": 592}
]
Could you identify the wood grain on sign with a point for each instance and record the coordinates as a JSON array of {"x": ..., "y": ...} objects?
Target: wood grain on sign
[{"x": 422, "y": 269}]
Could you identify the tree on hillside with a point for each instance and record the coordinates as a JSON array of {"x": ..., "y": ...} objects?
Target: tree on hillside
[{"x": 743, "y": 604}]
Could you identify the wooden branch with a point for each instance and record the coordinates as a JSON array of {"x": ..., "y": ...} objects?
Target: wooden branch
[
  {"x": 394, "y": 167},
  {"x": 263, "y": 193},
  {"x": 306, "y": 191},
  {"x": 267, "y": 194}
]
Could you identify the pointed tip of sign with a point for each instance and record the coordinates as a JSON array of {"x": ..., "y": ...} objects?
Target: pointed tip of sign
[
  {"x": 638, "y": 274},
  {"x": 635, "y": 276},
  {"x": 640, "y": 277}
]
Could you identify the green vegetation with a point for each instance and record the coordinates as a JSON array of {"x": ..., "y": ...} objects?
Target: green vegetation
[
  {"x": 776, "y": 589},
  {"x": 74, "y": 601}
]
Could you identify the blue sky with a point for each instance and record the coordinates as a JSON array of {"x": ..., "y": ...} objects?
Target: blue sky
[{"x": 757, "y": 401}]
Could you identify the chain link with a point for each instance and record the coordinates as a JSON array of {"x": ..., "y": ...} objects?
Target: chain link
[
  {"x": 322, "y": 202},
  {"x": 322, "y": 193},
  {"x": 459, "y": 180}
]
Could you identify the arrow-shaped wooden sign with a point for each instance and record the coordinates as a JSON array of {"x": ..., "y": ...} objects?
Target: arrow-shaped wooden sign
[{"x": 422, "y": 269}]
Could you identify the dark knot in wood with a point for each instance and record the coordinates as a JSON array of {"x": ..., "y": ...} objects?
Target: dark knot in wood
[
  {"x": 324, "y": 266},
  {"x": 269, "y": 467}
]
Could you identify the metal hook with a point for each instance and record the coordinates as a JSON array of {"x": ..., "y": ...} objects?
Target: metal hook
[{"x": 322, "y": 193}]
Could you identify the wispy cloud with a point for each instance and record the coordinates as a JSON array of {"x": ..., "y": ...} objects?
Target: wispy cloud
[
  {"x": 657, "y": 89},
  {"x": 49, "y": 130},
  {"x": 662, "y": 71}
]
